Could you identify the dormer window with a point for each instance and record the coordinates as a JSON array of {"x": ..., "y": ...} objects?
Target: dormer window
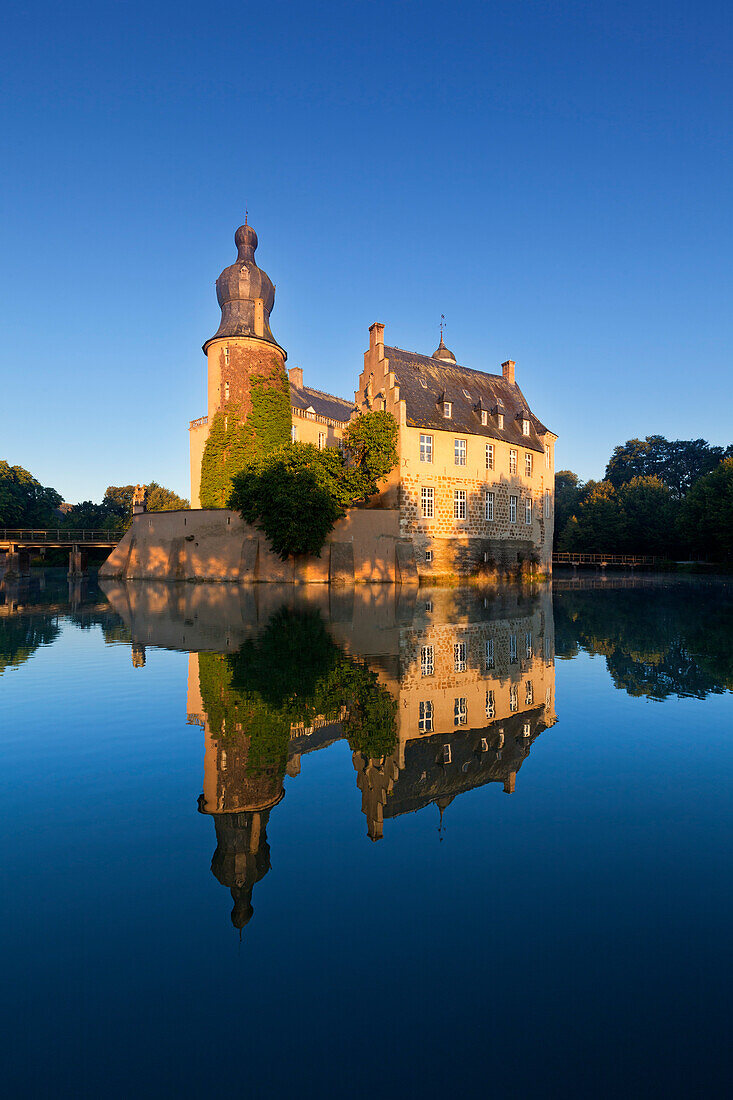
[
  {"x": 500, "y": 420},
  {"x": 467, "y": 395},
  {"x": 484, "y": 417},
  {"x": 447, "y": 409},
  {"x": 525, "y": 426}
]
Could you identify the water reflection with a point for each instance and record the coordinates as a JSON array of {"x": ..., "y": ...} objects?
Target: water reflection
[{"x": 436, "y": 692}]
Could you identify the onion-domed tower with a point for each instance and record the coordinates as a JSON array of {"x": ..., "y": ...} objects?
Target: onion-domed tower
[{"x": 247, "y": 383}]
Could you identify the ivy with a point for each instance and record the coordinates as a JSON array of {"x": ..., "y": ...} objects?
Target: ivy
[{"x": 296, "y": 493}]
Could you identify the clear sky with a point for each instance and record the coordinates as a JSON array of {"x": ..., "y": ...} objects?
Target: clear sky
[{"x": 554, "y": 177}]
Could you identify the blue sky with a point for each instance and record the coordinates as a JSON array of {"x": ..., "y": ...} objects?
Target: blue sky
[{"x": 554, "y": 177}]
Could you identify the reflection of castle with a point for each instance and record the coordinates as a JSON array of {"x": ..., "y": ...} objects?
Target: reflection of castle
[{"x": 473, "y": 680}]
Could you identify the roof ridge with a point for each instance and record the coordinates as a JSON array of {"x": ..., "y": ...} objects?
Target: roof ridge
[
  {"x": 443, "y": 365},
  {"x": 322, "y": 393}
]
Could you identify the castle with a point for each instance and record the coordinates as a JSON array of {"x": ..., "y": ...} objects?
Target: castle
[{"x": 474, "y": 486}]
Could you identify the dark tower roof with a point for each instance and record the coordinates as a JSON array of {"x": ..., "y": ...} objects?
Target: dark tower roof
[
  {"x": 442, "y": 352},
  {"x": 237, "y": 288}
]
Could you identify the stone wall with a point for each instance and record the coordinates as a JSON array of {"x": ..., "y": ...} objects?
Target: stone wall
[{"x": 217, "y": 545}]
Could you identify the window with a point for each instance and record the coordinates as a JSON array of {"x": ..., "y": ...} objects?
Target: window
[
  {"x": 428, "y": 556},
  {"x": 466, "y": 394},
  {"x": 528, "y": 510},
  {"x": 459, "y": 504},
  {"x": 428, "y": 605},
  {"x": 460, "y": 712},
  {"x": 427, "y": 660},
  {"x": 427, "y": 498},
  {"x": 426, "y": 448},
  {"x": 484, "y": 417},
  {"x": 548, "y": 698},
  {"x": 489, "y": 456},
  {"x": 293, "y": 434},
  {"x": 526, "y": 729},
  {"x": 528, "y": 464},
  {"x": 547, "y": 502},
  {"x": 547, "y": 648},
  {"x": 512, "y": 509},
  {"x": 512, "y": 649},
  {"x": 528, "y": 645},
  {"x": 460, "y": 452},
  {"x": 489, "y": 661},
  {"x": 226, "y": 356},
  {"x": 548, "y": 457},
  {"x": 525, "y": 427},
  {"x": 459, "y": 657},
  {"x": 321, "y": 440},
  {"x": 226, "y": 391},
  {"x": 489, "y": 506},
  {"x": 226, "y": 423},
  {"x": 513, "y": 703},
  {"x": 446, "y": 754},
  {"x": 500, "y": 420},
  {"x": 484, "y": 745},
  {"x": 340, "y": 444},
  {"x": 447, "y": 409},
  {"x": 490, "y": 706},
  {"x": 512, "y": 461},
  {"x": 528, "y": 694},
  {"x": 425, "y": 721}
]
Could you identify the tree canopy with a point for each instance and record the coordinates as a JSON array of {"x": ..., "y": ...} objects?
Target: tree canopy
[
  {"x": 678, "y": 463},
  {"x": 24, "y": 502},
  {"x": 296, "y": 493}
]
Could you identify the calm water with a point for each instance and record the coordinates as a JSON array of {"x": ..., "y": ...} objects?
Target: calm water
[{"x": 366, "y": 843}]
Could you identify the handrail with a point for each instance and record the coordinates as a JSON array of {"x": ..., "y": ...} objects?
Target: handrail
[
  {"x": 568, "y": 558},
  {"x": 59, "y": 534}
]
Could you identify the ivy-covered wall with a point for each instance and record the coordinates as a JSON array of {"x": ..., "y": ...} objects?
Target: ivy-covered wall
[{"x": 255, "y": 419}]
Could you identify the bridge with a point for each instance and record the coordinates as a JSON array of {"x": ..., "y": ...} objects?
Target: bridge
[
  {"x": 16, "y": 545},
  {"x": 600, "y": 561}
]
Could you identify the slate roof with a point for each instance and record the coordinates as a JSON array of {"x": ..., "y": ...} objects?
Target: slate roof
[
  {"x": 425, "y": 382},
  {"x": 324, "y": 404}
]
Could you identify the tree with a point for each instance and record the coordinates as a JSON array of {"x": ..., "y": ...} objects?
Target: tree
[
  {"x": 568, "y": 496},
  {"x": 649, "y": 517},
  {"x": 706, "y": 521},
  {"x": 678, "y": 463},
  {"x": 24, "y": 502},
  {"x": 598, "y": 526},
  {"x": 160, "y": 499},
  {"x": 296, "y": 493}
]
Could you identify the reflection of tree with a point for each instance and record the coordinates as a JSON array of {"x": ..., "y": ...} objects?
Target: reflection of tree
[
  {"x": 292, "y": 674},
  {"x": 657, "y": 642},
  {"x": 20, "y": 637}
]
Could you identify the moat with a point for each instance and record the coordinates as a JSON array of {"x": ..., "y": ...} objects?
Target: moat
[{"x": 366, "y": 841}]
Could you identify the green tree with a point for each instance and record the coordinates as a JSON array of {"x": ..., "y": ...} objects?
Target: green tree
[
  {"x": 706, "y": 521},
  {"x": 649, "y": 517},
  {"x": 678, "y": 463},
  {"x": 296, "y": 493},
  {"x": 24, "y": 502},
  {"x": 599, "y": 523},
  {"x": 568, "y": 497}
]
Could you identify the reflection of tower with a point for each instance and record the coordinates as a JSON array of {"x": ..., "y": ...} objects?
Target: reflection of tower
[
  {"x": 241, "y": 859},
  {"x": 138, "y": 655},
  {"x": 238, "y": 796}
]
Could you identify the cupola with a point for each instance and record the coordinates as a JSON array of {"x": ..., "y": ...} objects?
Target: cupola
[
  {"x": 443, "y": 353},
  {"x": 245, "y": 293}
]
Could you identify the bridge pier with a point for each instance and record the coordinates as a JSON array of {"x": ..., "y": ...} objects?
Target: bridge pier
[
  {"x": 18, "y": 563},
  {"x": 77, "y": 562}
]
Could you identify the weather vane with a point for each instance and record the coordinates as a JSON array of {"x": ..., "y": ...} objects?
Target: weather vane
[{"x": 442, "y": 324}]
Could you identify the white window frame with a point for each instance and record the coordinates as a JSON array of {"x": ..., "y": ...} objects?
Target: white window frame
[
  {"x": 460, "y": 711},
  {"x": 528, "y": 694},
  {"x": 426, "y": 448},
  {"x": 528, "y": 463},
  {"x": 490, "y": 705},
  {"x": 512, "y": 509},
  {"x": 528, "y": 645},
  {"x": 425, "y": 716},
  {"x": 484, "y": 417},
  {"x": 294, "y": 434},
  {"x": 512, "y": 649},
  {"x": 226, "y": 391},
  {"x": 525, "y": 427},
  {"x": 547, "y": 503},
  {"x": 500, "y": 420},
  {"x": 488, "y": 506},
  {"x": 427, "y": 501},
  {"x": 427, "y": 660},
  {"x": 460, "y": 452},
  {"x": 489, "y": 655},
  {"x": 428, "y": 556},
  {"x": 460, "y": 652},
  {"x": 460, "y": 506},
  {"x": 528, "y": 511},
  {"x": 547, "y": 456},
  {"x": 512, "y": 461},
  {"x": 321, "y": 441},
  {"x": 513, "y": 698},
  {"x": 447, "y": 757},
  {"x": 448, "y": 410},
  {"x": 489, "y": 456}
]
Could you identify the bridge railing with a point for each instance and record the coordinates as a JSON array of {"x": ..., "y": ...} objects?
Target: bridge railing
[
  {"x": 58, "y": 534},
  {"x": 566, "y": 558}
]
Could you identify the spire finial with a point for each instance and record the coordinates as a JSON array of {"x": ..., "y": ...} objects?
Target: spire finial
[
  {"x": 245, "y": 216},
  {"x": 442, "y": 323}
]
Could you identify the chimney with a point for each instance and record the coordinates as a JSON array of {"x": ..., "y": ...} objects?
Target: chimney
[
  {"x": 507, "y": 369},
  {"x": 295, "y": 375},
  {"x": 376, "y": 334}
]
